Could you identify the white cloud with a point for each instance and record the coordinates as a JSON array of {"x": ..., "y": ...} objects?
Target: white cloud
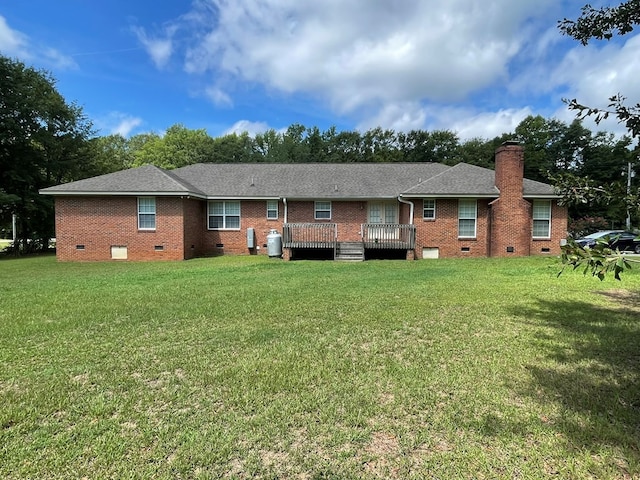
[
  {"x": 363, "y": 52},
  {"x": 16, "y": 44},
  {"x": 464, "y": 122},
  {"x": 252, "y": 128},
  {"x": 593, "y": 74},
  {"x": 484, "y": 124},
  {"x": 118, "y": 123},
  {"x": 159, "y": 49},
  {"x": 218, "y": 96},
  {"x": 401, "y": 117},
  {"x": 12, "y": 42}
]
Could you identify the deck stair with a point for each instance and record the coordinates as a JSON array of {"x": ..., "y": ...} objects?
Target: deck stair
[{"x": 353, "y": 251}]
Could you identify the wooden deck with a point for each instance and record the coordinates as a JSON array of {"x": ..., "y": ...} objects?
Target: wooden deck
[
  {"x": 310, "y": 235},
  {"x": 390, "y": 236}
]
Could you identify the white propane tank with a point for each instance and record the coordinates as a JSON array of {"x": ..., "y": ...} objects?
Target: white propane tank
[{"x": 274, "y": 244}]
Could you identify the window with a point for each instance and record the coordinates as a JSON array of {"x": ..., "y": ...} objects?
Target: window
[
  {"x": 323, "y": 210},
  {"x": 272, "y": 209},
  {"x": 146, "y": 213},
  {"x": 224, "y": 215},
  {"x": 383, "y": 212},
  {"x": 429, "y": 208},
  {"x": 467, "y": 214},
  {"x": 542, "y": 219}
]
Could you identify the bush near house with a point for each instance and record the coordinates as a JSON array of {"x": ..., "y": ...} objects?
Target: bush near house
[
  {"x": 246, "y": 367},
  {"x": 580, "y": 227}
]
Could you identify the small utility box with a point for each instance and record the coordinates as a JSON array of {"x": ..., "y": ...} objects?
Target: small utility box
[{"x": 251, "y": 238}]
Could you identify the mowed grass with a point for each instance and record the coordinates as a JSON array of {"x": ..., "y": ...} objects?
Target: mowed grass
[{"x": 245, "y": 367}]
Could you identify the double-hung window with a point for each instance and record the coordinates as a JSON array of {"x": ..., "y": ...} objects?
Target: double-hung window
[
  {"x": 467, "y": 216},
  {"x": 272, "y": 209},
  {"x": 429, "y": 208},
  {"x": 224, "y": 215},
  {"x": 146, "y": 213},
  {"x": 542, "y": 219},
  {"x": 322, "y": 210}
]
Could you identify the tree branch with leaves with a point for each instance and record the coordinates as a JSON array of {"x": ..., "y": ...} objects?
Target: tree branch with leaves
[{"x": 600, "y": 24}]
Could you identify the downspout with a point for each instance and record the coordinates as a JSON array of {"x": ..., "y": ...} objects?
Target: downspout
[
  {"x": 411, "y": 207},
  {"x": 284, "y": 200},
  {"x": 285, "y": 232},
  {"x": 490, "y": 230}
]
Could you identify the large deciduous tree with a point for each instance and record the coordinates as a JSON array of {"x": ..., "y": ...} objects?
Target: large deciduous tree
[
  {"x": 178, "y": 147},
  {"x": 43, "y": 142}
]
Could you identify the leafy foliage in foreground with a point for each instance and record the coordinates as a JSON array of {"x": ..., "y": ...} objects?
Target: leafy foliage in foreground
[{"x": 598, "y": 260}]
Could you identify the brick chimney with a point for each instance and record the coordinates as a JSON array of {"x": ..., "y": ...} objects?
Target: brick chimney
[
  {"x": 510, "y": 213},
  {"x": 510, "y": 169}
]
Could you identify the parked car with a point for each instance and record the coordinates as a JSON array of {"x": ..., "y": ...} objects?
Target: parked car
[{"x": 617, "y": 239}]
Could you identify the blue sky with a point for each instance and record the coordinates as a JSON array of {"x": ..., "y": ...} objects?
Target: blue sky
[{"x": 473, "y": 67}]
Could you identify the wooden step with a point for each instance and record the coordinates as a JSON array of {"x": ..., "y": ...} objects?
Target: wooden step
[{"x": 353, "y": 251}]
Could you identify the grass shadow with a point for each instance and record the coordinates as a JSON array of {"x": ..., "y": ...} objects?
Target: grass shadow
[{"x": 588, "y": 375}]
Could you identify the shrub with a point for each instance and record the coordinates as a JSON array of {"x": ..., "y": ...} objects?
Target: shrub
[{"x": 586, "y": 225}]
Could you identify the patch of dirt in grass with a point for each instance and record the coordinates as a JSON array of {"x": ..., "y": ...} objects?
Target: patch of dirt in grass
[
  {"x": 627, "y": 299},
  {"x": 383, "y": 443},
  {"x": 271, "y": 458},
  {"x": 386, "y": 398},
  {"x": 11, "y": 386},
  {"x": 236, "y": 469},
  {"x": 81, "y": 379},
  {"x": 385, "y": 450}
]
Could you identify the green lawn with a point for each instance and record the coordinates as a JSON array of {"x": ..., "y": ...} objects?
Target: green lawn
[{"x": 245, "y": 367}]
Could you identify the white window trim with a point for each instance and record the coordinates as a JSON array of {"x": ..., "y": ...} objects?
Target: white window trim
[
  {"x": 224, "y": 215},
  {"x": 424, "y": 209},
  {"x": 271, "y": 203},
  {"x": 316, "y": 210},
  {"x": 147, "y": 213},
  {"x": 548, "y": 219},
  {"x": 475, "y": 218}
]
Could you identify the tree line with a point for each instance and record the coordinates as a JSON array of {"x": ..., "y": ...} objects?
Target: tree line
[{"x": 552, "y": 149}]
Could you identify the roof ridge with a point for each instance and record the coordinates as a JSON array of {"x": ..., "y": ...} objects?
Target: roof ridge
[{"x": 180, "y": 181}]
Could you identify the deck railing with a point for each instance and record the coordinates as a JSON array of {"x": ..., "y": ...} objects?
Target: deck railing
[
  {"x": 389, "y": 236},
  {"x": 309, "y": 235},
  {"x": 325, "y": 235}
]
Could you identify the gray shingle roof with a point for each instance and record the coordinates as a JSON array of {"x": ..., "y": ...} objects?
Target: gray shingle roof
[
  {"x": 307, "y": 180},
  {"x": 147, "y": 179},
  {"x": 461, "y": 179},
  {"x": 538, "y": 189}
]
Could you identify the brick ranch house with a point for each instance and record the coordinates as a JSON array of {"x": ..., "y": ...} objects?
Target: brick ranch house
[{"x": 354, "y": 211}]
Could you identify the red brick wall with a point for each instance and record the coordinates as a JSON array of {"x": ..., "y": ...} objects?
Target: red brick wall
[
  {"x": 511, "y": 228},
  {"x": 349, "y": 217},
  {"x": 442, "y": 232},
  {"x": 253, "y": 214},
  {"x": 97, "y": 223},
  {"x": 194, "y": 228},
  {"x": 559, "y": 221}
]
